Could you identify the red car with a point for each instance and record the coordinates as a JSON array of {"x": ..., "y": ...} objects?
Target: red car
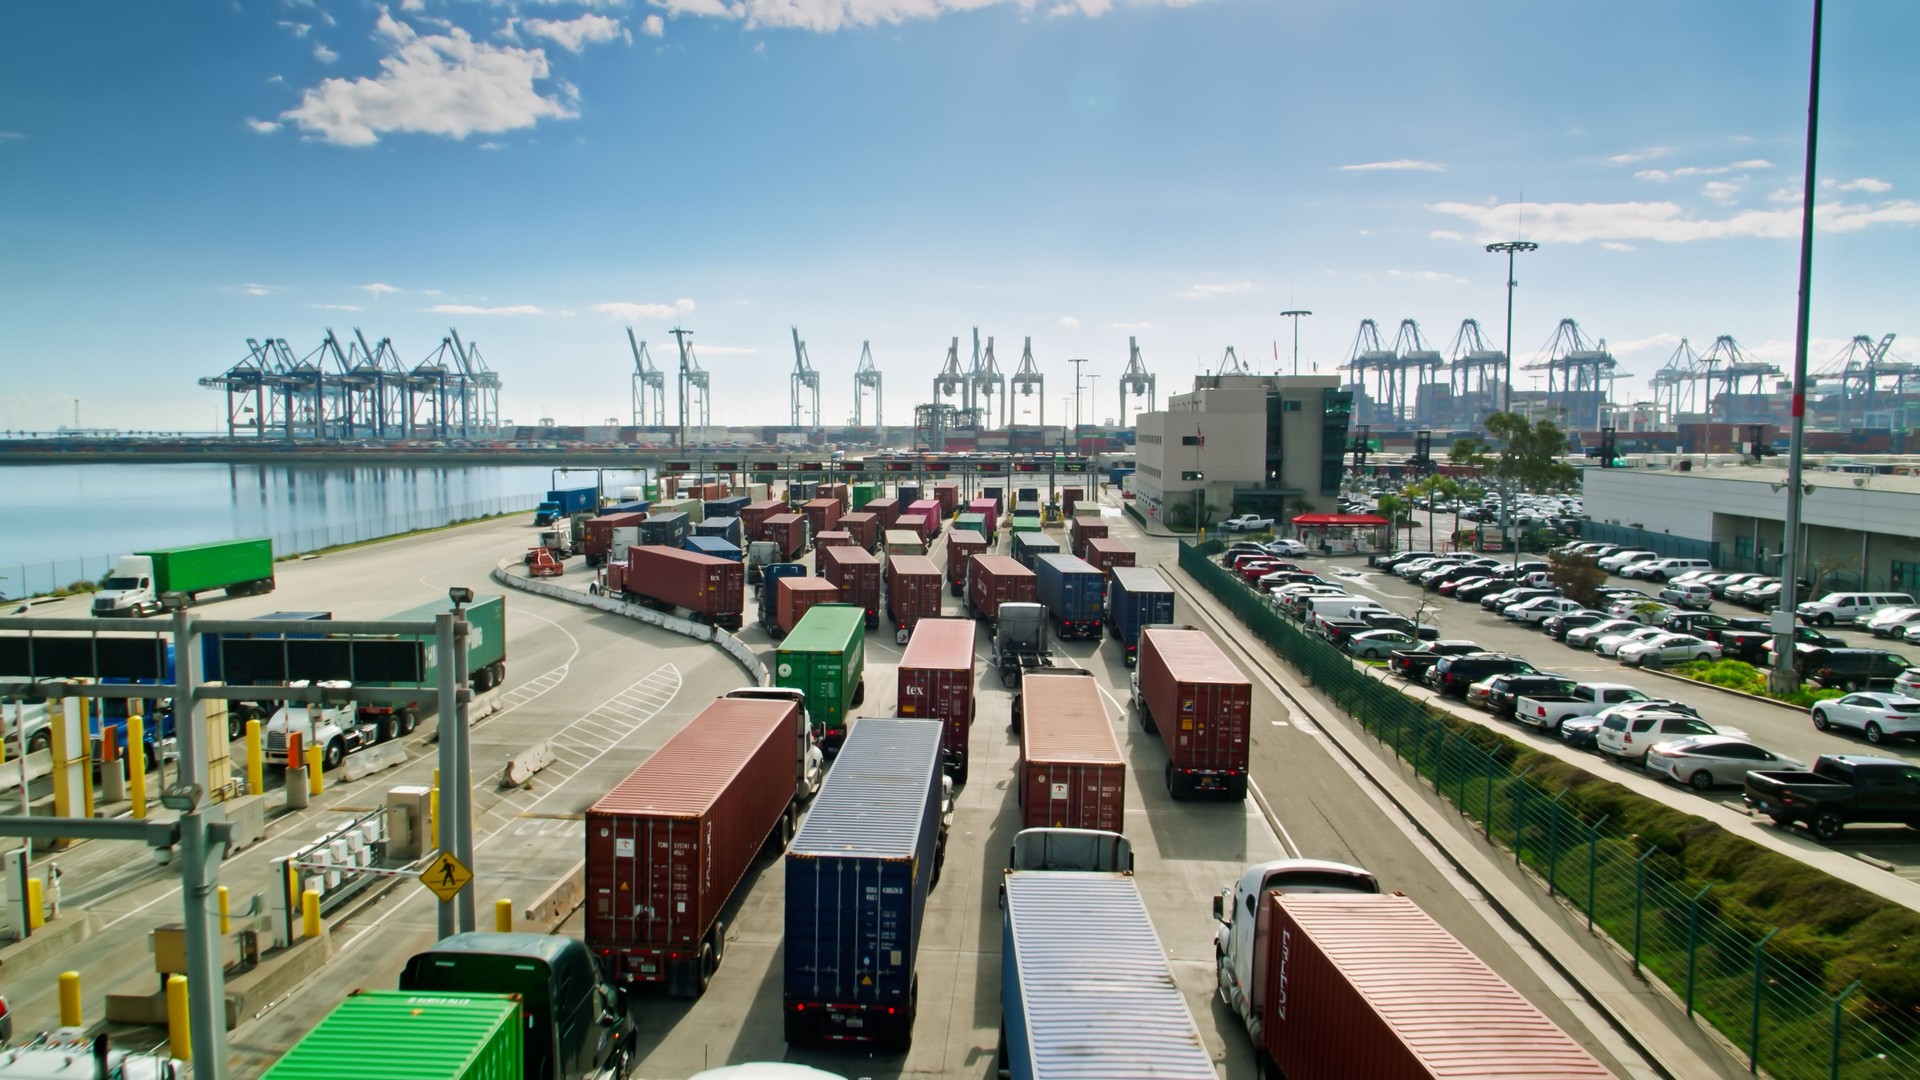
[{"x": 1255, "y": 569}]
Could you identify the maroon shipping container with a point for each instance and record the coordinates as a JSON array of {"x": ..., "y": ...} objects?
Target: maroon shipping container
[
  {"x": 887, "y": 510},
  {"x": 936, "y": 683},
  {"x": 1202, "y": 707},
  {"x": 913, "y": 590},
  {"x": 1069, "y": 498},
  {"x": 930, "y": 510},
  {"x": 714, "y": 590},
  {"x": 753, "y": 517},
  {"x": 1105, "y": 554},
  {"x": 857, "y": 574},
  {"x": 1071, "y": 774},
  {"x": 1083, "y": 530},
  {"x": 831, "y": 538},
  {"x": 600, "y": 534},
  {"x": 789, "y": 532},
  {"x": 947, "y": 494},
  {"x": 708, "y": 492},
  {"x": 667, "y": 846},
  {"x": 1369, "y": 985},
  {"x": 822, "y": 514},
  {"x": 962, "y": 544},
  {"x": 865, "y": 528},
  {"x": 993, "y": 580},
  {"x": 837, "y": 491},
  {"x": 919, "y": 523},
  {"x": 793, "y": 595},
  {"x": 989, "y": 509},
  {"x": 670, "y": 487}
]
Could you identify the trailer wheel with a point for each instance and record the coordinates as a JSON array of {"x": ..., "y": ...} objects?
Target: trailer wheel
[
  {"x": 860, "y": 693},
  {"x": 38, "y": 741},
  {"x": 706, "y": 963},
  {"x": 336, "y": 752},
  {"x": 409, "y": 719}
]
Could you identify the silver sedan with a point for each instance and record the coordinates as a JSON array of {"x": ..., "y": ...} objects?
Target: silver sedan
[{"x": 1701, "y": 761}]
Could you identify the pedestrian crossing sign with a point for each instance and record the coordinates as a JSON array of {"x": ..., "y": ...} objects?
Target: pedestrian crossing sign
[{"x": 446, "y": 876}]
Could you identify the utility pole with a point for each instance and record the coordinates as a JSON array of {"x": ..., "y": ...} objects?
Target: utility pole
[
  {"x": 1783, "y": 678},
  {"x": 1295, "y": 316}
]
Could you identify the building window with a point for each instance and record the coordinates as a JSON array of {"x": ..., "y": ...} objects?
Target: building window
[
  {"x": 1276, "y": 441},
  {"x": 1290, "y": 406},
  {"x": 1336, "y": 411},
  {"x": 1906, "y": 577},
  {"x": 1743, "y": 547}
]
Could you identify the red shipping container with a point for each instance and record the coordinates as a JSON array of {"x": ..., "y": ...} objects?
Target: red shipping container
[
  {"x": 670, "y": 487},
  {"x": 936, "y": 683},
  {"x": 913, "y": 590},
  {"x": 857, "y": 574},
  {"x": 1105, "y": 554},
  {"x": 1083, "y": 530},
  {"x": 962, "y": 544},
  {"x": 837, "y": 491},
  {"x": 993, "y": 580},
  {"x": 822, "y": 514},
  {"x": 793, "y": 595},
  {"x": 713, "y": 589},
  {"x": 832, "y": 538},
  {"x": 666, "y": 847},
  {"x": 947, "y": 494},
  {"x": 929, "y": 509},
  {"x": 709, "y": 492},
  {"x": 789, "y": 531},
  {"x": 753, "y": 516},
  {"x": 1071, "y": 774},
  {"x": 1202, "y": 707},
  {"x": 1369, "y": 985},
  {"x": 865, "y": 528},
  {"x": 919, "y": 523},
  {"x": 887, "y": 510},
  {"x": 989, "y": 509},
  {"x": 600, "y": 534},
  {"x": 1069, "y": 498}
]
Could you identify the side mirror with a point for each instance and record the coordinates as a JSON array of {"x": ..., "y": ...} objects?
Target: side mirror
[{"x": 1219, "y": 907}]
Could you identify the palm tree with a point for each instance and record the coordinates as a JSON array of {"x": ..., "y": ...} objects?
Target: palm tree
[{"x": 1394, "y": 510}]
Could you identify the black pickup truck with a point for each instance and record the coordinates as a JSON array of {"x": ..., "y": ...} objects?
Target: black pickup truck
[
  {"x": 1412, "y": 664},
  {"x": 1841, "y": 790}
]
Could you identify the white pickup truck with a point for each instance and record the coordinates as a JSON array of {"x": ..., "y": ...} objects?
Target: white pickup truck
[
  {"x": 1246, "y": 523},
  {"x": 1548, "y": 713}
]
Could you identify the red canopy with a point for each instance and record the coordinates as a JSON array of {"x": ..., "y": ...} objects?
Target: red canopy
[{"x": 1356, "y": 520}]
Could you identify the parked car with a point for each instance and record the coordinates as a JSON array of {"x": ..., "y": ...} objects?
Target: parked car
[
  {"x": 1384, "y": 620},
  {"x": 1702, "y": 761},
  {"x": 1667, "y": 648},
  {"x": 1586, "y": 636},
  {"x": 1559, "y": 626},
  {"x": 1721, "y": 583},
  {"x": 1619, "y": 561},
  {"x": 1830, "y": 796},
  {"x": 1648, "y": 705},
  {"x": 1658, "y": 570},
  {"x": 1909, "y": 682},
  {"x": 1644, "y": 610},
  {"x": 1581, "y": 731},
  {"x": 1549, "y": 711},
  {"x": 1412, "y": 664},
  {"x": 1609, "y": 646},
  {"x": 1286, "y": 547},
  {"x": 1767, "y": 597},
  {"x": 1893, "y": 622},
  {"x": 1687, "y": 595},
  {"x": 1852, "y": 669},
  {"x": 1539, "y": 609},
  {"x": 1738, "y": 593},
  {"x": 1453, "y": 588},
  {"x": 1452, "y": 675},
  {"x": 1849, "y": 607},
  {"x": 1877, "y": 716},
  {"x": 1501, "y": 601},
  {"x": 1504, "y": 691},
  {"x": 1629, "y": 737},
  {"x": 1379, "y": 644},
  {"x": 1246, "y": 523}
]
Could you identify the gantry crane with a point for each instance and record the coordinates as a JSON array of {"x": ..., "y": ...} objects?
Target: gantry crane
[
  {"x": 985, "y": 383},
  {"x": 951, "y": 381},
  {"x": 1027, "y": 379},
  {"x": 695, "y": 387},
  {"x": 866, "y": 377},
  {"x": 1473, "y": 375},
  {"x": 649, "y": 386},
  {"x": 1136, "y": 382},
  {"x": 804, "y": 378}
]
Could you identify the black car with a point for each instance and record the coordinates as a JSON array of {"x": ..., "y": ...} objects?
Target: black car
[
  {"x": 1557, "y": 626},
  {"x": 1507, "y": 689},
  {"x": 1484, "y": 589},
  {"x": 1454, "y": 573},
  {"x": 1453, "y": 674},
  {"x": 1520, "y": 596},
  {"x": 1852, "y": 669},
  {"x": 1381, "y": 620},
  {"x": 1388, "y": 562}
]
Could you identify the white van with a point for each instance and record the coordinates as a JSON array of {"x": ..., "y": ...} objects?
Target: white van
[
  {"x": 1662, "y": 569},
  {"x": 1620, "y": 560},
  {"x": 1342, "y": 607},
  {"x": 1847, "y": 607}
]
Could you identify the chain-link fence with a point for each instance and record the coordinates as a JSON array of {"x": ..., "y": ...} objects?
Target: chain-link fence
[
  {"x": 37, "y": 579},
  {"x": 1764, "y": 996}
]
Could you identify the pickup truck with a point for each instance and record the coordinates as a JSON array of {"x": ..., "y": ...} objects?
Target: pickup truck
[
  {"x": 1412, "y": 664},
  {"x": 1247, "y": 523},
  {"x": 1841, "y": 790},
  {"x": 1548, "y": 712}
]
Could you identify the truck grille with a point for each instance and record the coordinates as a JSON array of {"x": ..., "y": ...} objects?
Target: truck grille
[{"x": 276, "y": 743}]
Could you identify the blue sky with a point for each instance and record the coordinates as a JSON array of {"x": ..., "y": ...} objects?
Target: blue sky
[{"x": 177, "y": 178}]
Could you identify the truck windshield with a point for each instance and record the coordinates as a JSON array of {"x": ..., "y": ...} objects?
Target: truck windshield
[{"x": 121, "y": 584}]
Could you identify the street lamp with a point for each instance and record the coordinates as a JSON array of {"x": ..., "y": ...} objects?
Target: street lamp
[
  {"x": 1295, "y": 316},
  {"x": 1510, "y": 248},
  {"x": 1076, "y": 362}
]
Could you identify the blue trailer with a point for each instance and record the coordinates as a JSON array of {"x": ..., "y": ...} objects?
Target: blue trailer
[
  {"x": 1139, "y": 598},
  {"x": 563, "y": 501},
  {"x": 714, "y": 546},
  {"x": 631, "y": 506},
  {"x": 666, "y": 530},
  {"x": 858, "y": 875},
  {"x": 1073, "y": 591},
  {"x": 239, "y": 712},
  {"x": 726, "y": 528},
  {"x": 770, "y": 586},
  {"x": 728, "y": 507},
  {"x": 1085, "y": 989},
  {"x": 1029, "y": 546}
]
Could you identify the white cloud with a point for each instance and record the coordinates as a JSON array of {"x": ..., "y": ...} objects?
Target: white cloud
[
  {"x": 653, "y": 26},
  {"x": 262, "y": 127},
  {"x": 380, "y": 288},
  {"x": 297, "y": 29},
  {"x": 470, "y": 309},
  {"x": 1784, "y": 195},
  {"x": 1131, "y": 325},
  {"x": 436, "y": 85},
  {"x": 1400, "y": 165},
  {"x": 1753, "y": 163},
  {"x": 1093, "y": 9},
  {"x": 254, "y": 288},
  {"x": 1615, "y": 245},
  {"x": 831, "y": 15},
  {"x": 628, "y": 311},
  {"x": 1653, "y": 174},
  {"x": 574, "y": 35},
  {"x": 1445, "y": 234},
  {"x": 1868, "y": 184},
  {"x": 1667, "y": 222},
  {"x": 491, "y": 145},
  {"x": 9, "y": 136},
  {"x": 1210, "y": 291},
  {"x": 1642, "y": 155},
  {"x": 1427, "y": 277},
  {"x": 1069, "y": 322},
  {"x": 275, "y": 80},
  {"x": 336, "y": 307},
  {"x": 324, "y": 54},
  {"x": 1663, "y": 342},
  {"x": 1724, "y": 192}
]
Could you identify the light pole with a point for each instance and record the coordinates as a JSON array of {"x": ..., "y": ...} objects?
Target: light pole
[
  {"x": 1076, "y": 362},
  {"x": 1510, "y": 248},
  {"x": 1295, "y": 316}
]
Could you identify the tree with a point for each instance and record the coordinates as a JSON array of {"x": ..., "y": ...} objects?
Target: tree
[
  {"x": 1577, "y": 578},
  {"x": 1395, "y": 510},
  {"x": 1527, "y": 455}
]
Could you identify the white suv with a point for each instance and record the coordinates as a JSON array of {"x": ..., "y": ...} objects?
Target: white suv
[
  {"x": 1662, "y": 569},
  {"x": 1630, "y": 737},
  {"x": 1620, "y": 560},
  {"x": 1849, "y": 607}
]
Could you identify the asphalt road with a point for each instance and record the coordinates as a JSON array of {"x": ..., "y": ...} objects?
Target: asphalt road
[{"x": 570, "y": 666}]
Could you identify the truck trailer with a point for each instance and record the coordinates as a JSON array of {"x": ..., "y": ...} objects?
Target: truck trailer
[
  {"x": 1074, "y": 594},
  {"x": 935, "y": 682},
  {"x": 711, "y": 590},
  {"x": 1137, "y": 597},
  {"x": 1084, "y": 529},
  {"x": 913, "y": 591},
  {"x": 561, "y": 502},
  {"x": 486, "y": 661},
  {"x": 788, "y": 596},
  {"x": 857, "y": 574},
  {"x": 993, "y": 580},
  {"x": 1202, "y": 707},
  {"x": 168, "y": 579},
  {"x": 825, "y": 657},
  {"x": 602, "y": 532},
  {"x": 1027, "y": 547},
  {"x": 864, "y": 527},
  {"x": 821, "y": 514},
  {"x": 1104, "y": 554},
  {"x": 962, "y": 545},
  {"x": 788, "y": 531},
  {"x": 1070, "y": 773},
  {"x": 858, "y": 874},
  {"x": 442, "y": 1036}
]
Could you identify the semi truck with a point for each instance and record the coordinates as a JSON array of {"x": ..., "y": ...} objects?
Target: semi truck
[
  {"x": 447, "y": 1037},
  {"x": 858, "y": 874},
  {"x": 1138, "y": 597},
  {"x": 1074, "y": 594},
  {"x": 717, "y": 548},
  {"x": 726, "y": 528},
  {"x": 993, "y": 580},
  {"x": 1201, "y": 706},
  {"x": 913, "y": 591},
  {"x": 1028, "y": 547},
  {"x": 962, "y": 545},
  {"x": 1073, "y": 919},
  {"x": 1104, "y": 554},
  {"x": 1020, "y": 641},
  {"x": 609, "y": 536},
  {"x": 989, "y": 511},
  {"x": 787, "y": 597},
  {"x": 561, "y": 502},
  {"x": 332, "y": 721},
  {"x": 788, "y": 532},
  {"x": 167, "y": 579},
  {"x": 904, "y": 542},
  {"x": 711, "y": 590},
  {"x": 935, "y": 682},
  {"x": 486, "y": 657},
  {"x": 857, "y": 574},
  {"x": 212, "y": 668},
  {"x": 667, "y": 847},
  {"x": 1083, "y": 530},
  {"x": 666, "y": 528},
  {"x": 865, "y": 529},
  {"x": 887, "y": 510},
  {"x": 1070, "y": 772},
  {"x": 825, "y": 657},
  {"x": 821, "y": 514}
]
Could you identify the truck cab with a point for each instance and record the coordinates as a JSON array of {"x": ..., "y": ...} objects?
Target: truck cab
[
  {"x": 129, "y": 589},
  {"x": 1020, "y": 640},
  {"x": 810, "y": 761},
  {"x": 334, "y": 726},
  {"x": 1241, "y": 921}
]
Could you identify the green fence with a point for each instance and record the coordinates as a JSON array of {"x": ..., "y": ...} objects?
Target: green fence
[{"x": 1786, "y": 1021}]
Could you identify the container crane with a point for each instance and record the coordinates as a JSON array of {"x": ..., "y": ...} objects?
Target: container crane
[
  {"x": 1136, "y": 382},
  {"x": 649, "y": 386},
  {"x": 866, "y": 377},
  {"x": 804, "y": 378},
  {"x": 1027, "y": 379},
  {"x": 985, "y": 382}
]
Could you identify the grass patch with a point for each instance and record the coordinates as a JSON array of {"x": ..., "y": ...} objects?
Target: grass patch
[{"x": 1747, "y": 679}]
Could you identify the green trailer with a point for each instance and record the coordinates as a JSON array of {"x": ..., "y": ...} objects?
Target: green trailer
[
  {"x": 401, "y": 1035},
  {"x": 825, "y": 657},
  {"x": 863, "y": 494},
  {"x": 973, "y": 523},
  {"x": 486, "y": 638},
  {"x": 1020, "y": 523},
  {"x": 171, "y": 578}
]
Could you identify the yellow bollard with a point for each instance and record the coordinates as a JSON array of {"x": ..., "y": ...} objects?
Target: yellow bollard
[
  {"x": 310, "y": 913},
  {"x": 70, "y": 1000},
  {"x": 503, "y": 916},
  {"x": 36, "y": 905},
  {"x": 179, "y": 1035},
  {"x": 137, "y": 765},
  {"x": 256, "y": 762},
  {"x": 433, "y": 820},
  {"x": 313, "y": 770},
  {"x": 226, "y": 917}
]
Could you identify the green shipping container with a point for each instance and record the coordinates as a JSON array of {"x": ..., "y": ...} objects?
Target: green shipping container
[
  {"x": 486, "y": 638},
  {"x": 202, "y": 567},
  {"x": 825, "y": 657},
  {"x": 973, "y": 523},
  {"x": 1023, "y": 523},
  {"x": 862, "y": 495},
  {"x": 401, "y": 1035}
]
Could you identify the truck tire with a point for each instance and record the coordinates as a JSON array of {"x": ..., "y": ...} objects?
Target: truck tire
[
  {"x": 1826, "y": 825},
  {"x": 409, "y": 719},
  {"x": 860, "y": 694},
  {"x": 335, "y": 753},
  {"x": 1823, "y": 619},
  {"x": 38, "y": 741},
  {"x": 704, "y": 974}
]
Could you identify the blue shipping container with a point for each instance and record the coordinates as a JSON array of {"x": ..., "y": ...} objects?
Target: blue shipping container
[
  {"x": 726, "y": 528},
  {"x": 583, "y": 500},
  {"x": 715, "y": 546},
  {"x": 858, "y": 875},
  {"x": 665, "y": 530},
  {"x": 1029, "y": 546},
  {"x": 636, "y": 506},
  {"x": 1085, "y": 989},
  {"x": 1073, "y": 592},
  {"x": 729, "y": 507},
  {"x": 1139, "y": 597}
]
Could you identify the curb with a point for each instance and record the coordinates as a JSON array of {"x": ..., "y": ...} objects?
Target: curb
[{"x": 1756, "y": 698}]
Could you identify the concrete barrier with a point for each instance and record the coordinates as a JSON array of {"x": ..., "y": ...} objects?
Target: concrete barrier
[
  {"x": 521, "y": 767},
  {"x": 72, "y": 927},
  {"x": 386, "y": 755},
  {"x": 248, "y": 814},
  {"x": 560, "y": 900},
  {"x": 39, "y": 764}
]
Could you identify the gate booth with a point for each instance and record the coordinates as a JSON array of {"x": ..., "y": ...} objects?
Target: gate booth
[{"x": 1339, "y": 534}]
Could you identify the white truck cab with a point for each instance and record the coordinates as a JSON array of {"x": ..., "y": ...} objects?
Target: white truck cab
[
  {"x": 335, "y": 726},
  {"x": 810, "y": 760},
  {"x": 129, "y": 588},
  {"x": 1242, "y": 922}
]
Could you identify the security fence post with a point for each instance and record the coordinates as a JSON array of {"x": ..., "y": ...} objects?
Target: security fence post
[
  {"x": 1593, "y": 868},
  {"x": 1693, "y": 943},
  {"x": 1639, "y": 900},
  {"x": 1553, "y": 844},
  {"x": 1759, "y": 987},
  {"x": 1833, "y": 1044}
]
